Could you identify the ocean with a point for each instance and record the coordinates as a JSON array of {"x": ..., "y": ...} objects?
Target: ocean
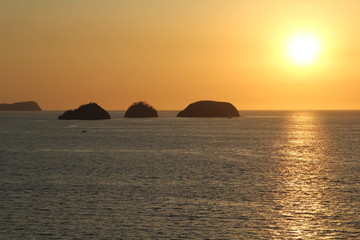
[{"x": 266, "y": 175}]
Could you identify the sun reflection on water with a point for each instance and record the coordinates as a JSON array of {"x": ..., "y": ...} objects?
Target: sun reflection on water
[{"x": 301, "y": 207}]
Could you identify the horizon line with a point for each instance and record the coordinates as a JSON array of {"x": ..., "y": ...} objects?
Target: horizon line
[{"x": 237, "y": 109}]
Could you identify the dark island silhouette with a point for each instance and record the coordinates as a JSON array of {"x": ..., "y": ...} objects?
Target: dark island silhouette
[
  {"x": 141, "y": 110},
  {"x": 209, "y": 109},
  {"x": 20, "y": 106},
  {"x": 90, "y": 111}
]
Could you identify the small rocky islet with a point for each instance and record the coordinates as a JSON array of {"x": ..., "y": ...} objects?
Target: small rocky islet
[
  {"x": 209, "y": 109},
  {"x": 141, "y": 110},
  {"x": 90, "y": 111}
]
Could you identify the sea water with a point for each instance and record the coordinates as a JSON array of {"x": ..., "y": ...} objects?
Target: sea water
[{"x": 266, "y": 175}]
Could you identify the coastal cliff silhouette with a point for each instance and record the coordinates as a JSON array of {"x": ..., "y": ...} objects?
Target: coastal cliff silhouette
[{"x": 20, "y": 106}]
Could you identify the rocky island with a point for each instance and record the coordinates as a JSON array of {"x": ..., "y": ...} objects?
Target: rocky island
[
  {"x": 141, "y": 110},
  {"x": 90, "y": 111},
  {"x": 20, "y": 106},
  {"x": 209, "y": 109}
]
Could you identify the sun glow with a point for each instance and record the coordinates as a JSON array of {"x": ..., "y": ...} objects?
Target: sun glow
[{"x": 303, "y": 49}]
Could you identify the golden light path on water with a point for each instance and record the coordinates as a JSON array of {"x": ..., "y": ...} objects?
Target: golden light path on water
[{"x": 303, "y": 204}]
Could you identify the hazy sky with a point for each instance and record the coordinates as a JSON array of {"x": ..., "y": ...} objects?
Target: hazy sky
[{"x": 174, "y": 52}]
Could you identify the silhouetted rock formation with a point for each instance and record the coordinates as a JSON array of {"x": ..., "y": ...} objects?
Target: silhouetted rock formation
[
  {"x": 209, "y": 109},
  {"x": 90, "y": 111},
  {"x": 141, "y": 110},
  {"x": 20, "y": 106}
]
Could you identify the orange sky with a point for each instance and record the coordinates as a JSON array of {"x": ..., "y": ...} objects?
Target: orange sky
[{"x": 171, "y": 53}]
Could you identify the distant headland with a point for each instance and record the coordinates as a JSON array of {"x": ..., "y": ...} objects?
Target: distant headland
[
  {"x": 209, "y": 109},
  {"x": 141, "y": 110},
  {"x": 90, "y": 111},
  {"x": 20, "y": 106}
]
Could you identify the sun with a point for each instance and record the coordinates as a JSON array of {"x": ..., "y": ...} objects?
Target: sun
[{"x": 303, "y": 49}]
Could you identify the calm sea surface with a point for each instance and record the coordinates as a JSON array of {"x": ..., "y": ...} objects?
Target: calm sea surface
[{"x": 267, "y": 175}]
